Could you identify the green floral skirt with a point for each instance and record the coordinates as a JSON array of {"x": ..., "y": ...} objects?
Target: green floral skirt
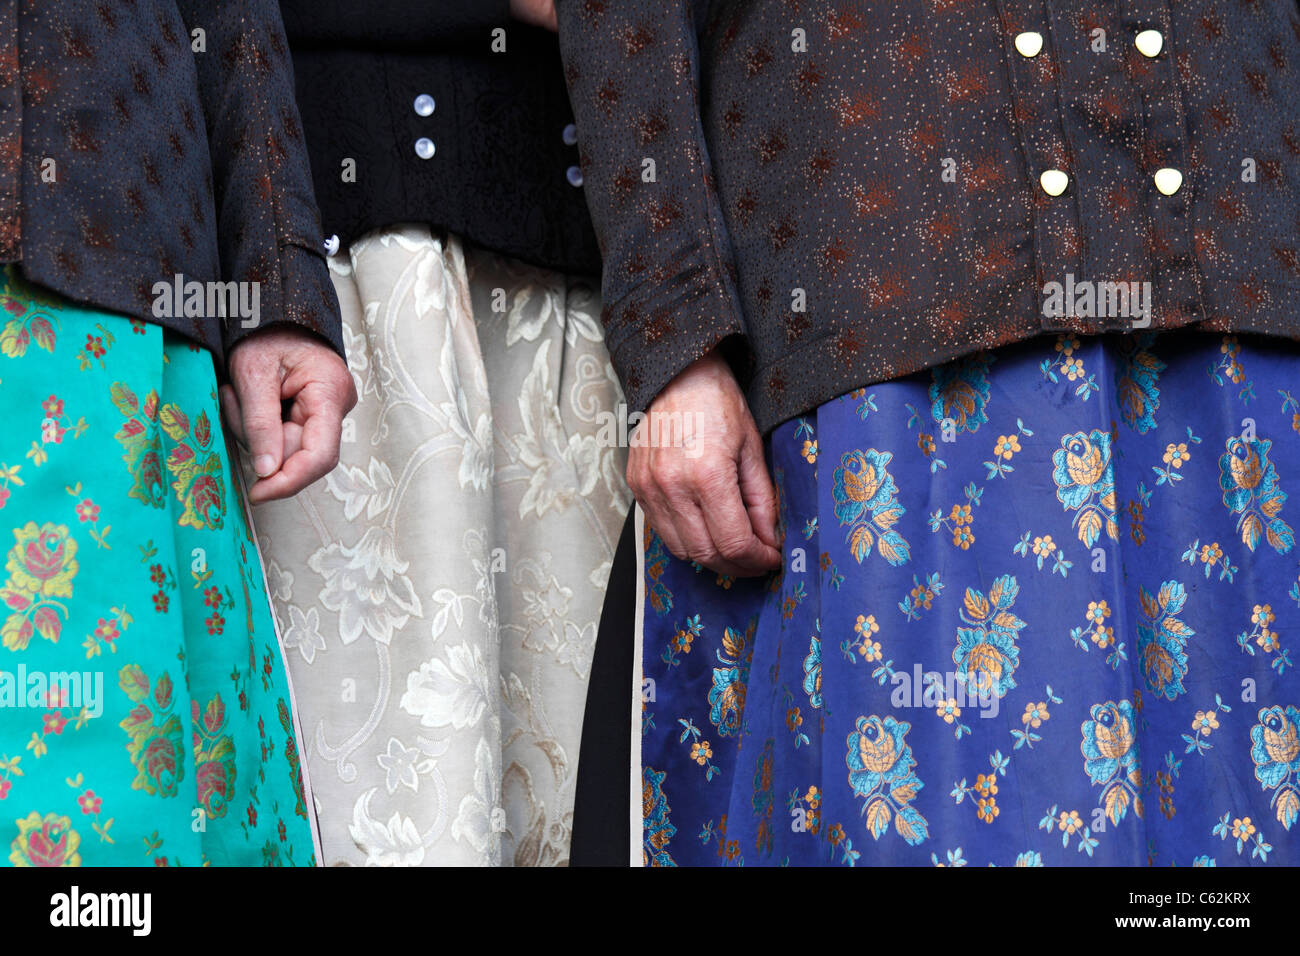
[{"x": 145, "y": 714}]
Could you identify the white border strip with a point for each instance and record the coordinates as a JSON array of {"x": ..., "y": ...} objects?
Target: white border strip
[{"x": 636, "y": 826}]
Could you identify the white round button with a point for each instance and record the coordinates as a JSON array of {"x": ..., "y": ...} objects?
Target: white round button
[
  {"x": 424, "y": 148},
  {"x": 1149, "y": 42},
  {"x": 1053, "y": 181},
  {"x": 424, "y": 104},
  {"x": 570, "y": 135},
  {"x": 1168, "y": 181},
  {"x": 1029, "y": 43},
  {"x": 574, "y": 175},
  {"x": 332, "y": 245}
]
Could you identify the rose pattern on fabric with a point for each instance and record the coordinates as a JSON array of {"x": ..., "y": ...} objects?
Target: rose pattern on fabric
[
  {"x": 1073, "y": 678},
  {"x": 41, "y": 566},
  {"x": 130, "y": 559},
  {"x": 449, "y": 573}
]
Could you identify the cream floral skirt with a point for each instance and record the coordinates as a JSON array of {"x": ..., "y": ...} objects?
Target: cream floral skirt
[{"x": 438, "y": 593}]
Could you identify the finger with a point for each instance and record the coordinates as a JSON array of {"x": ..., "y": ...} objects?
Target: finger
[
  {"x": 292, "y": 439},
  {"x": 230, "y": 411},
  {"x": 317, "y": 454},
  {"x": 658, "y": 517},
  {"x": 662, "y": 516},
  {"x": 731, "y": 528},
  {"x": 759, "y": 496},
  {"x": 259, "y": 401},
  {"x": 672, "y": 512},
  {"x": 662, "y": 520},
  {"x": 698, "y": 541}
]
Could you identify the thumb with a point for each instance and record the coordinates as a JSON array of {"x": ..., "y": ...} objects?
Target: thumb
[{"x": 756, "y": 489}]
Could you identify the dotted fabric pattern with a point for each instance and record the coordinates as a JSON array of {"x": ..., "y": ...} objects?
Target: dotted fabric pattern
[
  {"x": 140, "y": 141},
  {"x": 841, "y": 193}
]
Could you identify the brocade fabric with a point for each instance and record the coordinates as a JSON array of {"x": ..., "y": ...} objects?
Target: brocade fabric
[
  {"x": 1038, "y": 607},
  {"x": 439, "y": 591},
  {"x": 145, "y": 712},
  {"x": 841, "y": 192},
  {"x": 140, "y": 141}
]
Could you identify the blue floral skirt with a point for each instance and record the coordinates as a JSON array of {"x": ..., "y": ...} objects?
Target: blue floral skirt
[
  {"x": 145, "y": 715},
  {"x": 1038, "y": 607}
]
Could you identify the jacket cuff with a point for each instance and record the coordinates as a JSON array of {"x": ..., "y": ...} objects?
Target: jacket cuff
[
  {"x": 652, "y": 340},
  {"x": 669, "y": 278},
  {"x": 298, "y": 292}
]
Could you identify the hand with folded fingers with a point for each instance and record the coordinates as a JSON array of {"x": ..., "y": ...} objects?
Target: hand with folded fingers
[
  {"x": 288, "y": 394},
  {"x": 710, "y": 499}
]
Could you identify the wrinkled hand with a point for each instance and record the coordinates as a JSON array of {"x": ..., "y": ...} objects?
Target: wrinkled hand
[
  {"x": 278, "y": 369},
  {"x": 712, "y": 501},
  {"x": 540, "y": 13}
]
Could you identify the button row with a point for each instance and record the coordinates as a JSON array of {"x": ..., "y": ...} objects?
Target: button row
[
  {"x": 1168, "y": 181},
  {"x": 1054, "y": 181},
  {"x": 573, "y": 174},
  {"x": 1149, "y": 43},
  {"x": 424, "y": 105}
]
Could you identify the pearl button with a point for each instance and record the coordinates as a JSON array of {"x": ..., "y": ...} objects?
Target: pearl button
[
  {"x": 1053, "y": 182},
  {"x": 1168, "y": 181},
  {"x": 424, "y": 104},
  {"x": 570, "y": 135},
  {"x": 1029, "y": 43},
  {"x": 424, "y": 148},
  {"x": 332, "y": 245},
  {"x": 574, "y": 175},
  {"x": 1149, "y": 42}
]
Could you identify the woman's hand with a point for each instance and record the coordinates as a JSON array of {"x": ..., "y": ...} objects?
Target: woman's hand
[
  {"x": 540, "y": 13},
  {"x": 284, "y": 366},
  {"x": 710, "y": 498}
]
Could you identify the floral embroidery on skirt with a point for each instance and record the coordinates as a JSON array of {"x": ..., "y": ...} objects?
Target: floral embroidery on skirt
[
  {"x": 144, "y": 711},
  {"x": 1036, "y": 609}
]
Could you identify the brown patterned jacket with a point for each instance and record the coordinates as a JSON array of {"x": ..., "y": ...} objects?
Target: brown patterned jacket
[
  {"x": 148, "y": 139},
  {"x": 842, "y": 191}
]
